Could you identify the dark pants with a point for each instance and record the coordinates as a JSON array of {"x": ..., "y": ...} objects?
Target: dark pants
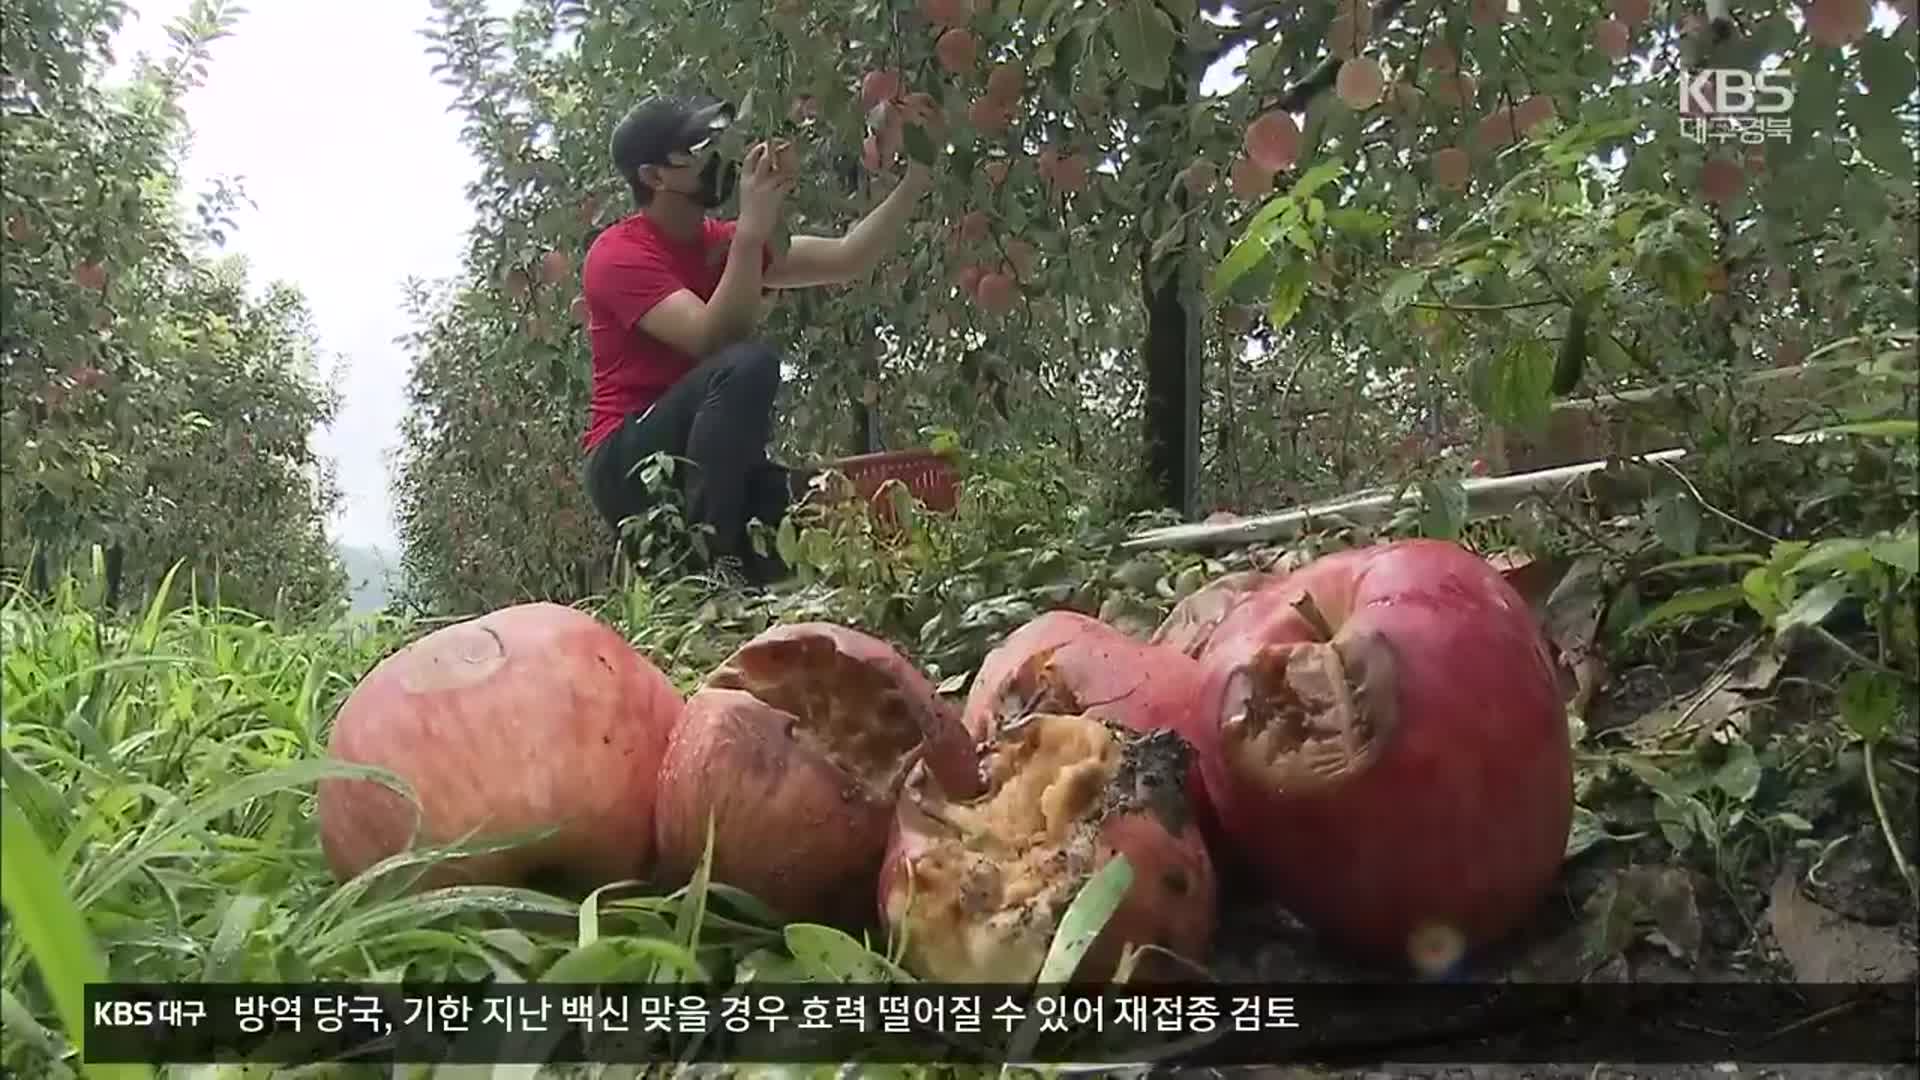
[{"x": 717, "y": 420}]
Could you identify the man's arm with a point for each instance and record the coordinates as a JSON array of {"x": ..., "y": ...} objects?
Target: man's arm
[
  {"x": 830, "y": 260},
  {"x": 696, "y": 327}
]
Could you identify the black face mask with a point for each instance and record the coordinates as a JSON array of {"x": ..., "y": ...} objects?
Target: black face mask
[
  {"x": 706, "y": 127},
  {"x": 717, "y": 181}
]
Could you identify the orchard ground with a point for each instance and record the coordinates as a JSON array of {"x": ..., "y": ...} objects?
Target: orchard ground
[{"x": 1722, "y": 833}]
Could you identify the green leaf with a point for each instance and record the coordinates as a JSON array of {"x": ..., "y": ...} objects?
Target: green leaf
[
  {"x": 1092, "y": 907},
  {"x": 1889, "y": 72},
  {"x": 1902, "y": 552},
  {"x": 1812, "y": 607},
  {"x": 1586, "y": 831},
  {"x": 1145, "y": 38},
  {"x": 1792, "y": 821},
  {"x": 1761, "y": 587},
  {"x": 1183, "y": 11},
  {"x": 1699, "y": 562},
  {"x": 1739, "y": 775},
  {"x": 1315, "y": 178},
  {"x": 1882, "y": 138},
  {"x": 1786, "y": 555},
  {"x": 1358, "y": 222},
  {"x": 1083, "y": 920},
  {"x": 223, "y": 955},
  {"x": 1260, "y": 61},
  {"x": 40, "y": 802},
  {"x": 831, "y": 955},
  {"x": 1692, "y": 602},
  {"x": 1065, "y": 59},
  {"x": 1869, "y": 701},
  {"x": 1888, "y": 429},
  {"x": 42, "y": 915},
  {"x": 622, "y": 959},
  {"x": 1608, "y": 353},
  {"x": 1515, "y": 385},
  {"x": 1844, "y": 553},
  {"x": 1402, "y": 289},
  {"x": 1676, "y": 521},
  {"x": 1289, "y": 292},
  {"x": 1816, "y": 96},
  {"x": 1248, "y": 253},
  {"x": 1443, "y": 510}
]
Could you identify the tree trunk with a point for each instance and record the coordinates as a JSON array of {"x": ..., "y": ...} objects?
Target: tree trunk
[{"x": 1174, "y": 359}]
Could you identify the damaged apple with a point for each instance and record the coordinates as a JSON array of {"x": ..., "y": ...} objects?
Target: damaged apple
[
  {"x": 974, "y": 885},
  {"x": 796, "y": 747},
  {"x": 1067, "y": 662},
  {"x": 1392, "y": 757}
]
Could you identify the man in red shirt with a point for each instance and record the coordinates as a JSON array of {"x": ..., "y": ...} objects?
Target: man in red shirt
[{"x": 673, "y": 297}]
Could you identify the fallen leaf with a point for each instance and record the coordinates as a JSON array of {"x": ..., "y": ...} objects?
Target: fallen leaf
[
  {"x": 1534, "y": 579},
  {"x": 1824, "y": 947},
  {"x": 1652, "y": 902},
  {"x": 1571, "y": 617},
  {"x": 1754, "y": 668},
  {"x": 1673, "y": 908},
  {"x": 1749, "y": 673}
]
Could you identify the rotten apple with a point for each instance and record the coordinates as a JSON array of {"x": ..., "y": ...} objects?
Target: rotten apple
[
  {"x": 974, "y": 885},
  {"x": 1067, "y": 662},
  {"x": 535, "y": 718},
  {"x": 796, "y": 747},
  {"x": 1392, "y": 757}
]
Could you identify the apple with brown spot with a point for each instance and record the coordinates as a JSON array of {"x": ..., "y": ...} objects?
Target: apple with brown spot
[{"x": 532, "y": 718}]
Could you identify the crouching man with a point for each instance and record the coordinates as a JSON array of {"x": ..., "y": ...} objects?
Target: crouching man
[{"x": 673, "y": 298}]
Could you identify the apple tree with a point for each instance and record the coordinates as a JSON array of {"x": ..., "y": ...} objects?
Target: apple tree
[
  {"x": 152, "y": 408},
  {"x": 1215, "y": 256}
]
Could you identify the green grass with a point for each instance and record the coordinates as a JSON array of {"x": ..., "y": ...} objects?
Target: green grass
[
  {"x": 158, "y": 795},
  {"x": 158, "y": 775}
]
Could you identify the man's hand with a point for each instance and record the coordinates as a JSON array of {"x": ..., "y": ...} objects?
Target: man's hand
[
  {"x": 919, "y": 110},
  {"x": 763, "y": 193}
]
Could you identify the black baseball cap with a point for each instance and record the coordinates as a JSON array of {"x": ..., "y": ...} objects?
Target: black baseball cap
[{"x": 661, "y": 126}]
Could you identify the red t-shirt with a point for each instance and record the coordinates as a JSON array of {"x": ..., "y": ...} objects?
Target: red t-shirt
[{"x": 632, "y": 266}]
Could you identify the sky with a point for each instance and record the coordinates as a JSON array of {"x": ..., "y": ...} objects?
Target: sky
[
  {"x": 331, "y": 119},
  {"x": 329, "y": 116}
]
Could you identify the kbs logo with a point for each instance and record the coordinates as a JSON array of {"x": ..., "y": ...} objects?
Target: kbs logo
[
  {"x": 1729, "y": 104},
  {"x": 124, "y": 1013},
  {"x": 1735, "y": 92}
]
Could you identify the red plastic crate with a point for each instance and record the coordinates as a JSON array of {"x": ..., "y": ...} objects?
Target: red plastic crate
[{"x": 928, "y": 474}]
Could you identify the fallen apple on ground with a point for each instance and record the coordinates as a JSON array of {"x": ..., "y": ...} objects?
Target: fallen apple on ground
[
  {"x": 533, "y": 717},
  {"x": 975, "y": 885},
  {"x": 1067, "y": 662},
  {"x": 796, "y": 746},
  {"x": 1392, "y": 756}
]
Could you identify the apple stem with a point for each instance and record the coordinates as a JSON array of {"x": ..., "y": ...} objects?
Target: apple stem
[{"x": 1315, "y": 618}]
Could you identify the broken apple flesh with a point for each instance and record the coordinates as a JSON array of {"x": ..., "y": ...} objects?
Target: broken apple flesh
[
  {"x": 797, "y": 746},
  {"x": 976, "y": 887},
  {"x": 1392, "y": 757},
  {"x": 1069, "y": 663}
]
